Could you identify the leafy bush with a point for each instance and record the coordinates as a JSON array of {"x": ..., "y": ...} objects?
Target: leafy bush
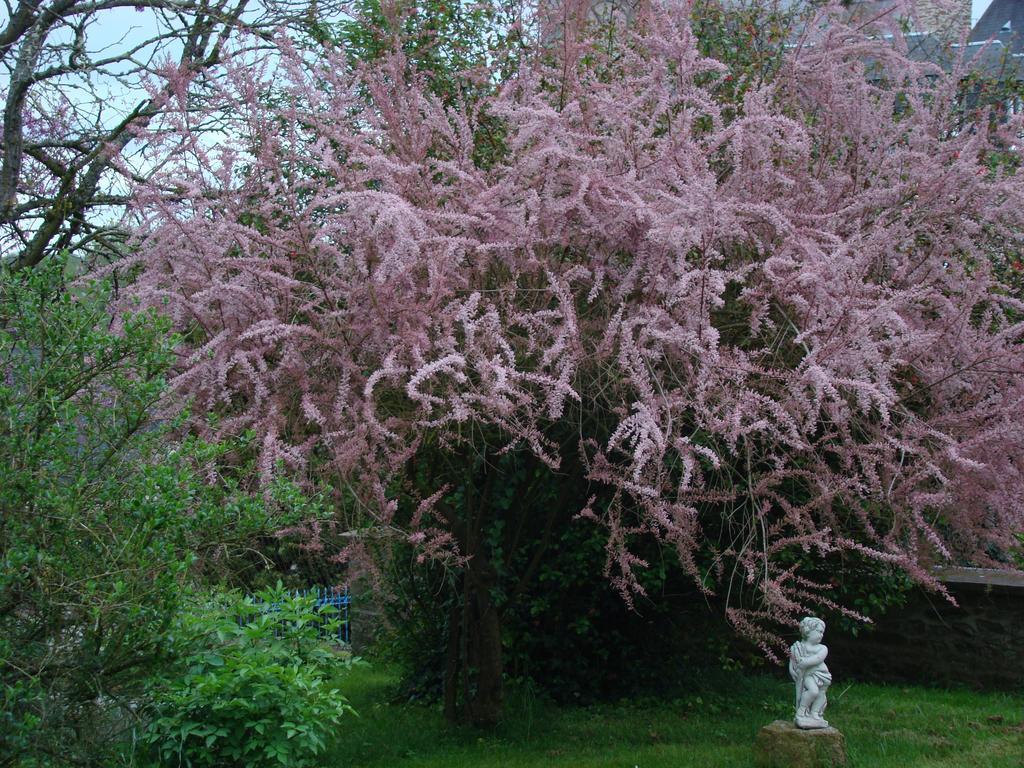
[
  {"x": 103, "y": 519},
  {"x": 251, "y": 689}
]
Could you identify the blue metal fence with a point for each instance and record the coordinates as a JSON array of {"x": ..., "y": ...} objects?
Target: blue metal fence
[
  {"x": 333, "y": 597},
  {"x": 338, "y": 599}
]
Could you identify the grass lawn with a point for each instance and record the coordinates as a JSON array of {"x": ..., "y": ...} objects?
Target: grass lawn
[{"x": 712, "y": 726}]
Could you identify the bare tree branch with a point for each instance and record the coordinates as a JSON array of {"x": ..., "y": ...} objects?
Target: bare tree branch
[{"x": 59, "y": 147}]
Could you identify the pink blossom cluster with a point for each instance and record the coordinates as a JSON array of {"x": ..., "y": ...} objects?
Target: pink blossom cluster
[{"x": 783, "y": 310}]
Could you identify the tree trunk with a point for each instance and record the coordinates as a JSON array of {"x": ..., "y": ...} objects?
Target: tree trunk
[
  {"x": 473, "y": 657},
  {"x": 473, "y": 688},
  {"x": 484, "y": 705},
  {"x": 450, "y": 686}
]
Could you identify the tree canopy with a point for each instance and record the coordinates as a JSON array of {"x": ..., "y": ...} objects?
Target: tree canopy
[{"x": 760, "y": 325}]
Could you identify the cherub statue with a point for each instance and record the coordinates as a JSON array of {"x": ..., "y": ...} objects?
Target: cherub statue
[{"x": 808, "y": 670}]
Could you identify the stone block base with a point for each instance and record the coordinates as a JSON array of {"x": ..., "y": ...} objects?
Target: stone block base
[{"x": 783, "y": 745}]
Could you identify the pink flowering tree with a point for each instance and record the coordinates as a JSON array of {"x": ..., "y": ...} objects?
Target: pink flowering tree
[{"x": 761, "y": 331}]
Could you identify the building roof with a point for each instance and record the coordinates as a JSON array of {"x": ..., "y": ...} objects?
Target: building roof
[{"x": 1004, "y": 20}]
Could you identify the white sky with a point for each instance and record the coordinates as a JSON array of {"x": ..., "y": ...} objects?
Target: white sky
[{"x": 978, "y": 7}]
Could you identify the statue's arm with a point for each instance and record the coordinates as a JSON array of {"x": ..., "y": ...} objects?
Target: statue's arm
[{"x": 814, "y": 659}]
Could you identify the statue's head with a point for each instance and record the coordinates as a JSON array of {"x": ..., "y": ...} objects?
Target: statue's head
[{"x": 811, "y": 624}]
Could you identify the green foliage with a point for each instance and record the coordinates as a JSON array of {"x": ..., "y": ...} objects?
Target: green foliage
[
  {"x": 866, "y": 586},
  {"x": 445, "y": 41},
  {"x": 103, "y": 519},
  {"x": 566, "y": 633},
  {"x": 749, "y": 38},
  {"x": 602, "y": 649},
  {"x": 251, "y": 686}
]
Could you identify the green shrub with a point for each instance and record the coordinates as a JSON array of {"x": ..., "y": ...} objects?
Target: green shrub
[
  {"x": 103, "y": 519},
  {"x": 91, "y": 543},
  {"x": 251, "y": 688}
]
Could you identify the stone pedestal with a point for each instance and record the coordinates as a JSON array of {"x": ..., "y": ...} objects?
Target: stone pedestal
[{"x": 783, "y": 745}]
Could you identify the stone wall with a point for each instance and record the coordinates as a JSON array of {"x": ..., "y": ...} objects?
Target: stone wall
[{"x": 979, "y": 644}]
